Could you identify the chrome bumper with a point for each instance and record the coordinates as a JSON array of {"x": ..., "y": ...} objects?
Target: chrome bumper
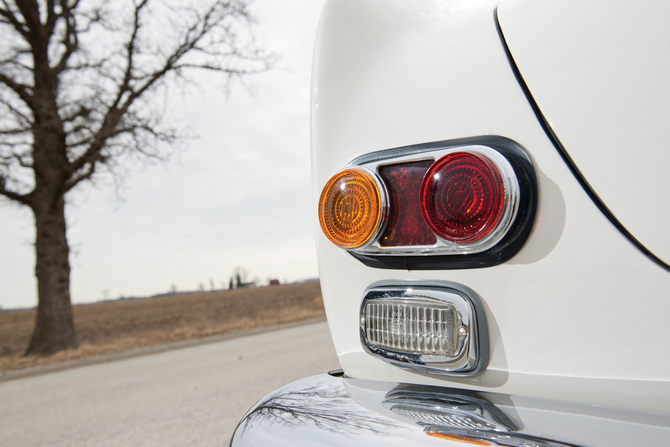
[{"x": 331, "y": 410}]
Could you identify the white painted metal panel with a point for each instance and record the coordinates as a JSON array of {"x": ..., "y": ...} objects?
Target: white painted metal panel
[
  {"x": 599, "y": 71},
  {"x": 579, "y": 313}
]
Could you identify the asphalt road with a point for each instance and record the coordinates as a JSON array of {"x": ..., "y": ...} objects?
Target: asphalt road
[{"x": 182, "y": 397}]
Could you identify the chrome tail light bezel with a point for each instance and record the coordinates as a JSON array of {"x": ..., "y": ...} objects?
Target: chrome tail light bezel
[
  {"x": 443, "y": 247},
  {"x": 511, "y": 232}
]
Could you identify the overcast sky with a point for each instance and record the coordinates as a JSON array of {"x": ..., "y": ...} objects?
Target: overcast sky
[{"x": 239, "y": 195}]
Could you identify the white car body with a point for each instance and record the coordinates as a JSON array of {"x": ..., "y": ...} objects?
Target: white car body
[{"x": 580, "y": 315}]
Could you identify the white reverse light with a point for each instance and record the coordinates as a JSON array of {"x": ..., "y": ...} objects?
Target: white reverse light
[
  {"x": 437, "y": 328},
  {"x": 417, "y": 326}
]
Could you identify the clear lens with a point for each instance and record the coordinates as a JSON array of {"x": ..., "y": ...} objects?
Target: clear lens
[
  {"x": 432, "y": 328},
  {"x": 413, "y": 327}
]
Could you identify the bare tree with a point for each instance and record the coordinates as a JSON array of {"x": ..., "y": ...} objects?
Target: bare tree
[
  {"x": 324, "y": 405},
  {"x": 240, "y": 274},
  {"x": 82, "y": 86}
]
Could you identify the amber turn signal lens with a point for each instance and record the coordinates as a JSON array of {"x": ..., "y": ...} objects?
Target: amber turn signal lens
[
  {"x": 455, "y": 438},
  {"x": 350, "y": 208}
]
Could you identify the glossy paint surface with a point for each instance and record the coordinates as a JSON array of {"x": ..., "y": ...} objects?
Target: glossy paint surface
[
  {"x": 599, "y": 72},
  {"x": 579, "y": 314}
]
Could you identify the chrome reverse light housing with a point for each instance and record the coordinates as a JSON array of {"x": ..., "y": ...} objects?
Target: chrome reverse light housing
[
  {"x": 434, "y": 327},
  {"x": 465, "y": 203}
]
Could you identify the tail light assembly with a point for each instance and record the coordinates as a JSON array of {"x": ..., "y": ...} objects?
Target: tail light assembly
[{"x": 458, "y": 204}]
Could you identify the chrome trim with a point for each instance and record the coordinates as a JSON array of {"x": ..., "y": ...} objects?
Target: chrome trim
[
  {"x": 328, "y": 410},
  {"x": 511, "y": 190},
  {"x": 471, "y": 357},
  {"x": 450, "y": 408},
  {"x": 383, "y": 207}
]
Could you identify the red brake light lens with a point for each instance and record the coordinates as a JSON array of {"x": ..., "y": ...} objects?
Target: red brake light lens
[{"x": 462, "y": 197}]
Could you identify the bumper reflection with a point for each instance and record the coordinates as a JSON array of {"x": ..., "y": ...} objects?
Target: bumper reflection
[{"x": 329, "y": 410}]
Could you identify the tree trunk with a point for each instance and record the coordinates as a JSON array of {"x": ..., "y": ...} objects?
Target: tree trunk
[{"x": 54, "y": 328}]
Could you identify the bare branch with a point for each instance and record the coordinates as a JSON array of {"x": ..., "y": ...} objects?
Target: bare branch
[
  {"x": 23, "y": 91},
  {"x": 100, "y": 122},
  {"x": 30, "y": 11},
  {"x": 114, "y": 114},
  {"x": 128, "y": 92},
  {"x": 23, "y": 199},
  {"x": 52, "y": 16},
  {"x": 70, "y": 39},
  {"x": 14, "y": 131},
  {"x": 19, "y": 117},
  {"x": 8, "y": 14}
]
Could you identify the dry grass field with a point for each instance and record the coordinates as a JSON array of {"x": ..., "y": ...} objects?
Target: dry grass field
[{"x": 122, "y": 325}]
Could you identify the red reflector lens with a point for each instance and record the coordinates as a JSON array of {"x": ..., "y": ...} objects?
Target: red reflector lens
[
  {"x": 462, "y": 197},
  {"x": 405, "y": 227}
]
